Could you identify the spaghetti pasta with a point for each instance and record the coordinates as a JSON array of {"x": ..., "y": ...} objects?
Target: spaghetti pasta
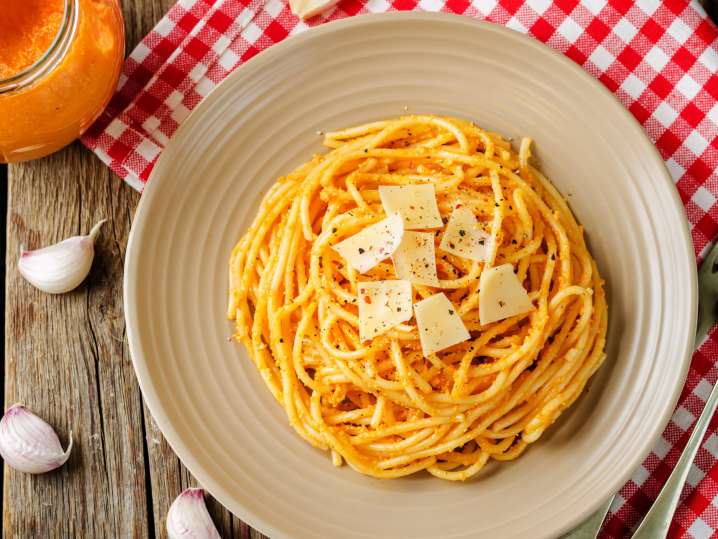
[{"x": 380, "y": 405}]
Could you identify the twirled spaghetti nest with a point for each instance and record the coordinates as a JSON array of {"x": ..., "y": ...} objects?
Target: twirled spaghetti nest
[{"x": 382, "y": 406}]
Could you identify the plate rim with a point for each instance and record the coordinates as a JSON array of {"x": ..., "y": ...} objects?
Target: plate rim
[{"x": 132, "y": 257}]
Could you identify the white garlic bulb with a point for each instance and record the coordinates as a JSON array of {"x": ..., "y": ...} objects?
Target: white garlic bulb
[
  {"x": 188, "y": 517},
  {"x": 60, "y": 267},
  {"x": 29, "y": 444}
]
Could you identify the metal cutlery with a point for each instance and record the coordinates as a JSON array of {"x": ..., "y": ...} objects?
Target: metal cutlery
[{"x": 658, "y": 519}]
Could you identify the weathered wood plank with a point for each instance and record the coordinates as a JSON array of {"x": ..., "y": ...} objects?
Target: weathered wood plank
[
  {"x": 167, "y": 475},
  {"x": 3, "y": 241},
  {"x": 169, "y": 478},
  {"x": 711, "y": 7},
  {"x": 65, "y": 357}
]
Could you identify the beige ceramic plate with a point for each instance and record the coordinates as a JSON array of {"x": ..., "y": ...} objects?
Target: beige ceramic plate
[{"x": 260, "y": 123}]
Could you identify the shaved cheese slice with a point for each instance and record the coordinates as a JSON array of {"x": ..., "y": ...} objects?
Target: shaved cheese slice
[
  {"x": 501, "y": 295},
  {"x": 367, "y": 248},
  {"x": 416, "y": 204},
  {"x": 382, "y": 305},
  {"x": 439, "y": 324},
  {"x": 414, "y": 259},
  {"x": 464, "y": 237},
  {"x": 308, "y": 8}
]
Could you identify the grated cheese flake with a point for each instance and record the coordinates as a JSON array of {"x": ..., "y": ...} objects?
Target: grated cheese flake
[
  {"x": 440, "y": 326},
  {"x": 382, "y": 306},
  {"x": 464, "y": 237},
  {"x": 501, "y": 295},
  {"x": 367, "y": 248},
  {"x": 416, "y": 204},
  {"x": 415, "y": 260}
]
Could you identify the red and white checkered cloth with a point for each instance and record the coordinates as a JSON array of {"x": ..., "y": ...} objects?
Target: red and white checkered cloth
[{"x": 659, "y": 58}]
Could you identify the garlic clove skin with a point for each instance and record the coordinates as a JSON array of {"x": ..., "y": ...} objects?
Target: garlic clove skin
[
  {"x": 60, "y": 267},
  {"x": 306, "y": 9},
  {"x": 28, "y": 444},
  {"x": 188, "y": 517}
]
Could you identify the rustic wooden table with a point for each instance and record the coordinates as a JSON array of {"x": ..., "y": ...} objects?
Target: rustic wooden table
[{"x": 67, "y": 359}]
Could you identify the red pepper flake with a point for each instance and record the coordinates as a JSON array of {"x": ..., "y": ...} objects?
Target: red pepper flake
[{"x": 367, "y": 299}]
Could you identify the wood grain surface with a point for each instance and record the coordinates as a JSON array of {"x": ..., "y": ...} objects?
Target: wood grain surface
[{"x": 67, "y": 359}]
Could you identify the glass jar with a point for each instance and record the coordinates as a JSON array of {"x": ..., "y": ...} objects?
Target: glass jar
[{"x": 53, "y": 100}]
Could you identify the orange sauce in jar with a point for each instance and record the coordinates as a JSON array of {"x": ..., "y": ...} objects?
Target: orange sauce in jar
[
  {"x": 59, "y": 65},
  {"x": 27, "y": 29}
]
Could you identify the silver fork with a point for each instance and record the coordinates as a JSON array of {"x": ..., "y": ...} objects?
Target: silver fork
[{"x": 658, "y": 519}]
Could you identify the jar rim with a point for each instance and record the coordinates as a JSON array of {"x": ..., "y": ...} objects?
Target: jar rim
[{"x": 51, "y": 57}]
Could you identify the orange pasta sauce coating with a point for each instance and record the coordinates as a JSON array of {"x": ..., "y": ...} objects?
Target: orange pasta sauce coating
[{"x": 27, "y": 30}]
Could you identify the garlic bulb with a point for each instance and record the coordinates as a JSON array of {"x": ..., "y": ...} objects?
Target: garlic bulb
[
  {"x": 188, "y": 517},
  {"x": 29, "y": 444},
  {"x": 61, "y": 267}
]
